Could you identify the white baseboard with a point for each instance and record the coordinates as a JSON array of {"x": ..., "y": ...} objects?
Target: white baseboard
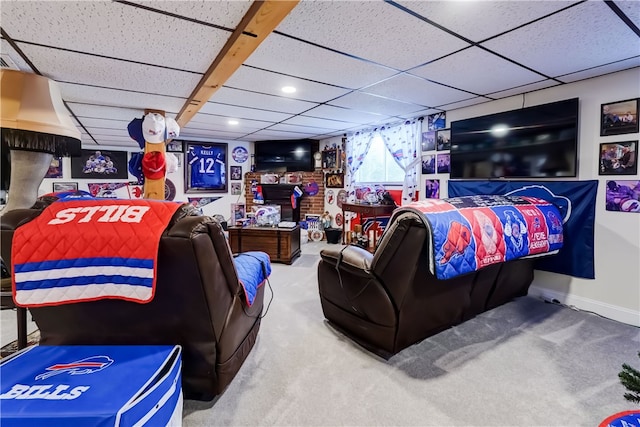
[{"x": 609, "y": 311}]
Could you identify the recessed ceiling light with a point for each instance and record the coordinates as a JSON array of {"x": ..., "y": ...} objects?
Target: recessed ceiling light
[
  {"x": 289, "y": 89},
  {"x": 233, "y": 122}
]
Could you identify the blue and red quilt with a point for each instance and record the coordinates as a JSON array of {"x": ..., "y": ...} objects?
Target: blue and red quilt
[{"x": 472, "y": 232}]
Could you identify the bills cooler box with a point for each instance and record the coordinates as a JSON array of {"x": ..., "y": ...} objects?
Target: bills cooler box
[{"x": 92, "y": 386}]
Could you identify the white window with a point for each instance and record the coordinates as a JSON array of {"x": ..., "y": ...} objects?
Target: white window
[{"x": 378, "y": 166}]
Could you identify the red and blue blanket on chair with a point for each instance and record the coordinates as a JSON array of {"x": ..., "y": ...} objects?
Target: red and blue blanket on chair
[
  {"x": 472, "y": 232},
  {"x": 86, "y": 249}
]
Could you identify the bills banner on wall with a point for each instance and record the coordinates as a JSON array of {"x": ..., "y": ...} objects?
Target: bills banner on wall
[{"x": 577, "y": 203}]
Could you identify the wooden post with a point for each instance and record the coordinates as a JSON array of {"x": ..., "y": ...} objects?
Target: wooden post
[{"x": 154, "y": 188}]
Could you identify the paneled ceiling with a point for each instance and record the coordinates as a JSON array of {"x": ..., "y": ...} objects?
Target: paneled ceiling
[{"x": 354, "y": 64}]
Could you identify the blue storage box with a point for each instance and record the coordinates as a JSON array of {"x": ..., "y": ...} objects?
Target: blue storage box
[{"x": 92, "y": 386}]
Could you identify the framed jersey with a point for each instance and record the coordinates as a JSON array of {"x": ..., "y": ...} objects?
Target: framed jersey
[{"x": 206, "y": 168}]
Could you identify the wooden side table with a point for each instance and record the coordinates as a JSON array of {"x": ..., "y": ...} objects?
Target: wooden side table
[
  {"x": 364, "y": 210},
  {"x": 282, "y": 244}
]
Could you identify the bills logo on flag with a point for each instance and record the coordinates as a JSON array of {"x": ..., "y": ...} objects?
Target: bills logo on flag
[{"x": 80, "y": 367}]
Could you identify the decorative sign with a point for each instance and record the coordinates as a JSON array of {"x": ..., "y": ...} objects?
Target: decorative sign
[
  {"x": 330, "y": 197},
  {"x": 115, "y": 190},
  {"x": 200, "y": 202},
  {"x": 240, "y": 154}
]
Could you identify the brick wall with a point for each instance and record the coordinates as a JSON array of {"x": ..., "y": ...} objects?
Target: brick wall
[{"x": 308, "y": 204}]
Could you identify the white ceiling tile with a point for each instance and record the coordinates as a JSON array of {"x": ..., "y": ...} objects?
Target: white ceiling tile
[
  {"x": 409, "y": 88},
  {"x": 13, "y": 56},
  {"x": 207, "y": 121},
  {"x": 330, "y": 112},
  {"x": 376, "y": 32},
  {"x": 631, "y": 8},
  {"x": 78, "y": 68},
  {"x": 243, "y": 112},
  {"x": 101, "y": 132},
  {"x": 375, "y": 104},
  {"x": 292, "y": 57},
  {"x": 242, "y": 98},
  {"x": 223, "y": 13},
  {"x": 203, "y": 133},
  {"x": 100, "y": 111},
  {"x": 479, "y": 20},
  {"x": 296, "y": 128},
  {"x": 104, "y": 123},
  {"x": 319, "y": 123},
  {"x": 595, "y": 38},
  {"x": 267, "y": 134},
  {"x": 605, "y": 69},
  {"x": 524, "y": 89},
  {"x": 489, "y": 72},
  {"x": 150, "y": 37},
  {"x": 269, "y": 82},
  {"x": 465, "y": 103},
  {"x": 119, "y": 98}
]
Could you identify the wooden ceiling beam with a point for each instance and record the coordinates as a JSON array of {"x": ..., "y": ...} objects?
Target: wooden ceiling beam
[{"x": 260, "y": 20}]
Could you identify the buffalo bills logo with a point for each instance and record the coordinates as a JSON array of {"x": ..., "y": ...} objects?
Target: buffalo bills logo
[{"x": 80, "y": 367}]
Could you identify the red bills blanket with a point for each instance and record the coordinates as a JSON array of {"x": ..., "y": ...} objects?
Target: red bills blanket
[{"x": 84, "y": 249}]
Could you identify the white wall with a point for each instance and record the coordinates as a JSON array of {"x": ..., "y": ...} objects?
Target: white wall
[
  {"x": 221, "y": 206},
  {"x": 615, "y": 292}
]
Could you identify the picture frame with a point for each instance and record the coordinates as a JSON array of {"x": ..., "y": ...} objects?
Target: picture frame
[
  {"x": 235, "y": 172},
  {"x": 65, "y": 186},
  {"x": 428, "y": 163},
  {"x": 623, "y": 196},
  {"x": 331, "y": 158},
  {"x": 334, "y": 180},
  {"x": 55, "y": 168},
  {"x": 428, "y": 141},
  {"x": 436, "y": 121},
  {"x": 443, "y": 163},
  {"x": 443, "y": 139},
  {"x": 619, "y": 118},
  {"x": 618, "y": 158},
  {"x": 236, "y": 188},
  {"x": 100, "y": 164},
  {"x": 432, "y": 189},
  {"x": 205, "y": 168},
  {"x": 175, "y": 146}
]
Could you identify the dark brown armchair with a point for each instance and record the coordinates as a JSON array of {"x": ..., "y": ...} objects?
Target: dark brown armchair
[
  {"x": 389, "y": 300},
  {"x": 199, "y": 304}
]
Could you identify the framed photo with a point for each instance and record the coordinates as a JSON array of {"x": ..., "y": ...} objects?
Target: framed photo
[
  {"x": 436, "y": 121},
  {"x": 335, "y": 180},
  {"x": 443, "y": 139},
  {"x": 619, "y": 158},
  {"x": 175, "y": 146},
  {"x": 432, "y": 189},
  {"x": 443, "y": 162},
  {"x": 236, "y": 188},
  {"x": 623, "y": 196},
  {"x": 65, "y": 186},
  {"x": 238, "y": 211},
  {"x": 205, "y": 168},
  {"x": 55, "y": 168},
  {"x": 428, "y": 141},
  {"x": 618, "y": 118},
  {"x": 331, "y": 159},
  {"x": 100, "y": 164},
  {"x": 235, "y": 172},
  {"x": 428, "y": 163}
]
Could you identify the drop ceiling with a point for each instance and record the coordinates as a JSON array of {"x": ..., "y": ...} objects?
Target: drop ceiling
[{"x": 355, "y": 64}]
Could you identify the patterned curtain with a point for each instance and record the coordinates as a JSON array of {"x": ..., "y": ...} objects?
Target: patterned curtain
[
  {"x": 356, "y": 149},
  {"x": 403, "y": 141}
]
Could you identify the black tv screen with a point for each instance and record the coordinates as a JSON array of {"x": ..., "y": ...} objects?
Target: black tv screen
[
  {"x": 532, "y": 142},
  {"x": 285, "y": 155}
]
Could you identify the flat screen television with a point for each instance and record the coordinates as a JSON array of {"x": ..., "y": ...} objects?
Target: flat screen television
[
  {"x": 285, "y": 155},
  {"x": 532, "y": 142}
]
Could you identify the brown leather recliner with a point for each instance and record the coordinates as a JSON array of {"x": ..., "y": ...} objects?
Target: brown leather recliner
[
  {"x": 389, "y": 300},
  {"x": 199, "y": 304}
]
